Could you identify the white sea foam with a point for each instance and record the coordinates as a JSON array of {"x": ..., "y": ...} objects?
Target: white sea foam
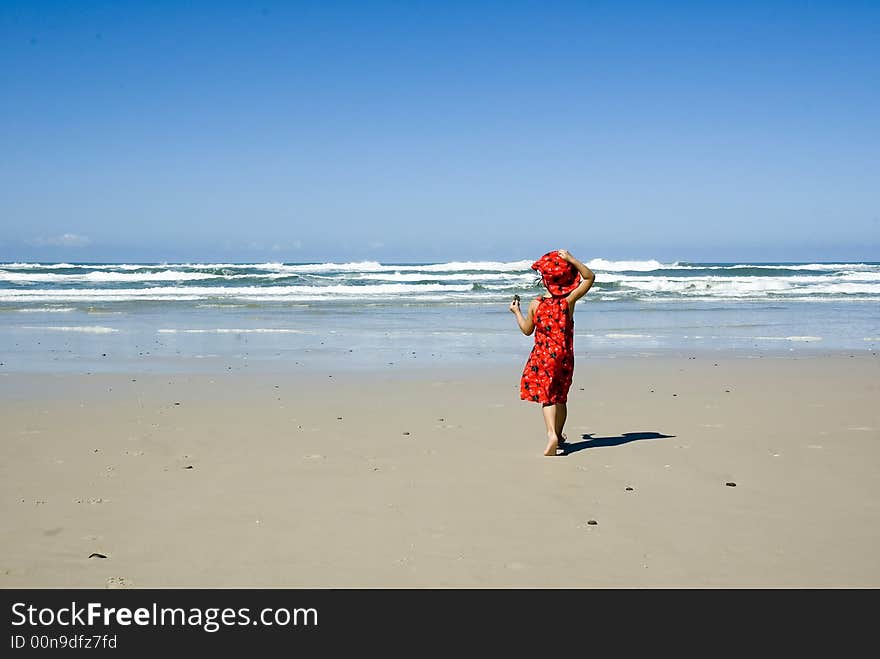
[
  {"x": 473, "y": 280},
  {"x": 818, "y": 266},
  {"x": 830, "y": 267},
  {"x": 614, "y": 335},
  {"x": 22, "y": 266},
  {"x": 788, "y": 338},
  {"x": 722, "y": 286},
  {"x": 375, "y": 266},
  {"x": 512, "y": 266},
  {"x": 48, "y": 310},
  {"x": 196, "y": 292},
  {"x": 99, "y": 276},
  {"x": 219, "y": 306},
  {"x": 477, "y": 277},
  {"x": 855, "y": 276},
  {"x": 743, "y": 286},
  {"x": 633, "y": 266},
  {"x": 91, "y": 329},
  {"x": 228, "y": 330},
  {"x": 125, "y": 266}
]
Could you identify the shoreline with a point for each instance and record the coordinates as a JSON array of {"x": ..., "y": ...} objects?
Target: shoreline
[
  {"x": 284, "y": 493},
  {"x": 404, "y": 363}
]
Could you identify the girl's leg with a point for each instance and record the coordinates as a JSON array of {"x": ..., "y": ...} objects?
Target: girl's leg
[
  {"x": 549, "y": 411},
  {"x": 561, "y": 414}
]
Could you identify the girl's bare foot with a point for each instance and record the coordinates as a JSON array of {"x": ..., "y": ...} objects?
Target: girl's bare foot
[
  {"x": 563, "y": 443},
  {"x": 552, "y": 444}
]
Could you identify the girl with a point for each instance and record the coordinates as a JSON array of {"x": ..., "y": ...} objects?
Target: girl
[{"x": 546, "y": 378}]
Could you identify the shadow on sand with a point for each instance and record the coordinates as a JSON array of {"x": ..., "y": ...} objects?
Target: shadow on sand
[{"x": 599, "y": 442}]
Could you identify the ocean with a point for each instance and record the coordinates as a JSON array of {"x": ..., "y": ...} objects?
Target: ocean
[{"x": 91, "y": 317}]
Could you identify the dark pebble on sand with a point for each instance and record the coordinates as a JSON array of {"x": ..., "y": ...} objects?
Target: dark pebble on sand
[
  {"x": 188, "y": 467},
  {"x": 629, "y": 489},
  {"x": 730, "y": 484},
  {"x": 96, "y": 555},
  {"x": 177, "y": 403},
  {"x": 652, "y": 391},
  {"x": 405, "y": 433},
  {"x": 727, "y": 391},
  {"x": 339, "y": 418},
  {"x": 675, "y": 394},
  {"x": 104, "y": 354},
  {"x": 592, "y": 522}
]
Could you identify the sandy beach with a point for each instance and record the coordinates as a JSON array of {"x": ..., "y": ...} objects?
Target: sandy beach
[{"x": 435, "y": 478}]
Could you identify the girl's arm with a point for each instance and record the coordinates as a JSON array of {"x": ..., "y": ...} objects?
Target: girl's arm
[
  {"x": 526, "y": 323},
  {"x": 588, "y": 278}
]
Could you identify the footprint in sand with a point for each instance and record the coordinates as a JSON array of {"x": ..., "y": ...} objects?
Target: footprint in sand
[{"x": 114, "y": 583}]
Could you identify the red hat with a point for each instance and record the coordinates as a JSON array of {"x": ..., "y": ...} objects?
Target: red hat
[{"x": 560, "y": 277}]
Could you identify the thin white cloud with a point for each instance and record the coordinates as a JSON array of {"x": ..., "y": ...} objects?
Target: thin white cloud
[
  {"x": 375, "y": 244},
  {"x": 64, "y": 240}
]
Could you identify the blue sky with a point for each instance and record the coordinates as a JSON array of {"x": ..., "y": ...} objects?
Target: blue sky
[{"x": 422, "y": 131}]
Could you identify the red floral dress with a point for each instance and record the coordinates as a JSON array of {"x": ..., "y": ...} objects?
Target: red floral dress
[{"x": 549, "y": 369}]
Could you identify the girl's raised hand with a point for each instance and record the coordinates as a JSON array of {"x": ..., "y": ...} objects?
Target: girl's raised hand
[
  {"x": 513, "y": 306},
  {"x": 564, "y": 254}
]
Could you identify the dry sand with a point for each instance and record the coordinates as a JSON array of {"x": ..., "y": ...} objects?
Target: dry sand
[{"x": 436, "y": 479}]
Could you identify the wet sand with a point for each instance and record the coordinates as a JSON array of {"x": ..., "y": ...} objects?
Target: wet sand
[{"x": 698, "y": 471}]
